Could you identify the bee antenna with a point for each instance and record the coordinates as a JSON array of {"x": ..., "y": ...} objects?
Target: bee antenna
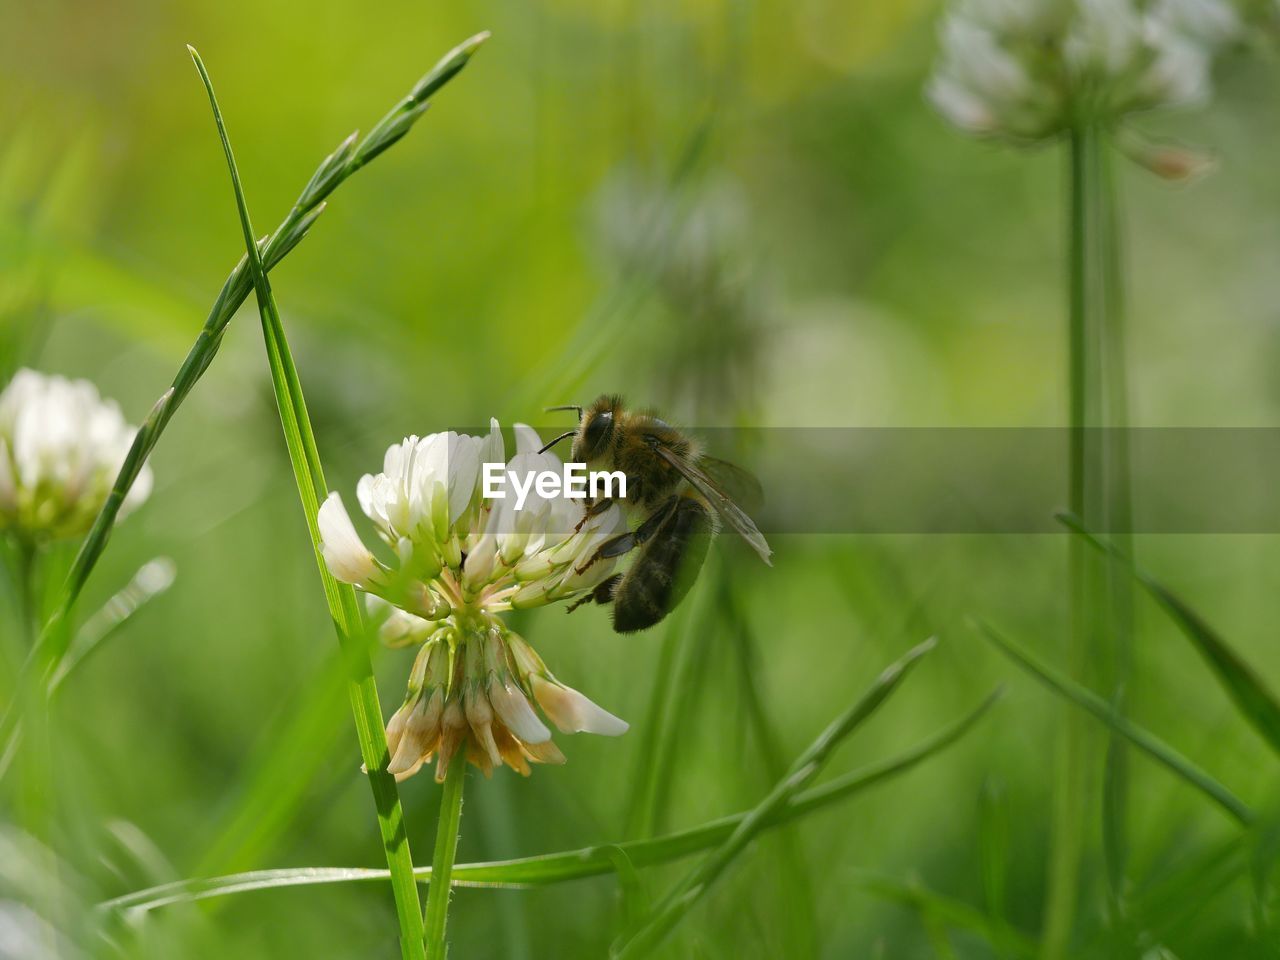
[
  {"x": 568, "y": 406},
  {"x": 563, "y": 436}
]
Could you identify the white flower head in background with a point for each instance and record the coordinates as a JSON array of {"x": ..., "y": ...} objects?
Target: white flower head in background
[
  {"x": 461, "y": 560},
  {"x": 1027, "y": 70},
  {"x": 61, "y": 446}
]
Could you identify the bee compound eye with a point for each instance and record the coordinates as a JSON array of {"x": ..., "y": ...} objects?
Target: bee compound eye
[{"x": 598, "y": 430}]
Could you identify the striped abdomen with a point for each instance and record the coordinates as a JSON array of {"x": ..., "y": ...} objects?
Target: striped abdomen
[{"x": 665, "y": 567}]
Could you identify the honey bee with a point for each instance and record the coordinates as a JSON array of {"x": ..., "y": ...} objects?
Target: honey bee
[{"x": 678, "y": 495}]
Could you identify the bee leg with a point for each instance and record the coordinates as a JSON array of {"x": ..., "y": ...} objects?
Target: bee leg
[
  {"x": 597, "y": 507},
  {"x": 613, "y": 547},
  {"x": 602, "y": 594},
  {"x": 626, "y": 542}
]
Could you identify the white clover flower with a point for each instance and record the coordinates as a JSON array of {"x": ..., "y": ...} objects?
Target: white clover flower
[
  {"x": 461, "y": 560},
  {"x": 1029, "y": 69},
  {"x": 61, "y": 446}
]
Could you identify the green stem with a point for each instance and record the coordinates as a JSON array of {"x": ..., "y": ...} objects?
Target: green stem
[
  {"x": 442, "y": 861},
  {"x": 1100, "y": 601},
  {"x": 28, "y": 606},
  {"x": 1069, "y": 793},
  {"x": 304, "y": 457},
  {"x": 1117, "y": 509},
  {"x": 37, "y": 796}
]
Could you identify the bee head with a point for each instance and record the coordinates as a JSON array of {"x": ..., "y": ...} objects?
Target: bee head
[{"x": 596, "y": 429}]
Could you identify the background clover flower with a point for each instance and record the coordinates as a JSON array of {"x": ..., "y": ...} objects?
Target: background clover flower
[
  {"x": 461, "y": 560},
  {"x": 61, "y": 446},
  {"x": 1026, "y": 70}
]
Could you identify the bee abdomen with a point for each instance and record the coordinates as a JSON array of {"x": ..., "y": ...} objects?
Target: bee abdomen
[{"x": 665, "y": 569}]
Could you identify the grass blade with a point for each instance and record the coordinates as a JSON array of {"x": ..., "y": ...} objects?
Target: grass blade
[
  {"x": 51, "y": 646},
  {"x": 632, "y": 896},
  {"x": 1255, "y": 702},
  {"x": 343, "y": 608},
  {"x": 807, "y": 766},
  {"x": 571, "y": 864},
  {"x": 1147, "y": 742},
  {"x": 794, "y": 886},
  {"x": 151, "y": 580},
  {"x": 951, "y": 913},
  {"x": 993, "y": 837},
  {"x": 642, "y": 813}
]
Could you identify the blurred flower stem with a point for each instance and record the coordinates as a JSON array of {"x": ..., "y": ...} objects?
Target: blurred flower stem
[
  {"x": 28, "y": 612},
  {"x": 1081, "y": 71},
  {"x": 1100, "y": 602},
  {"x": 442, "y": 862},
  {"x": 305, "y": 460},
  {"x": 35, "y": 801}
]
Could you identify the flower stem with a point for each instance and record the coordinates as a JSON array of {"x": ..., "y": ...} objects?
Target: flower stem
[
  {"x": 1068, "y": 794},
  {"x": 28, "y": 607},
  {"x": 442, "y": 861},
  {"x": 1117, "y": 509},
  {"x": 1098, "y": 649}
]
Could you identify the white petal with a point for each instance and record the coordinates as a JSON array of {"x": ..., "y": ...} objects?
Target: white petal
[
  {"x": 1106, "y": 35},
  {"x": 64, "y": 444},
  {"x": 395, "y": 726},
  {"x": 478, "y": 568},
  {"x": 419, "y": 735},
  {"x": 464, "y": 472},
  {"x": 512, "y": 707},
  {"x": 480, "y": 719},
  {"x": 960, "y": 106},
  {"x": 344, "y": 552},
  {"x": 527, "y": 439},
  {"x": 493, "y": 450},
  {"x": 526, "y": 658},
  {"x": 367, "y": 498},
  {"x": 399, "y": 629},
  {"x": 546, "y": 752},
  {"x": 1212, "y": 23},
  {"x": 572, "y": 712}
]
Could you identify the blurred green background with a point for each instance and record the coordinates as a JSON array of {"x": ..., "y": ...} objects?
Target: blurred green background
[{"x": 743, "y": 213}]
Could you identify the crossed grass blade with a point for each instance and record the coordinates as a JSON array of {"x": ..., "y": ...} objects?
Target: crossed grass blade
[
  {"x": 676, "y": 905},
  {"x": 566, "y": 865},
  {"x": 1145, "y": 741},
  {"x": 1255, "y": 703},
  {"x": 949, "y": 913}
]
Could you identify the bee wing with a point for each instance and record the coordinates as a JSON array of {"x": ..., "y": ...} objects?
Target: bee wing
[
  {"x": 741, "y": 485},
  {"x": 729, "y": 511}
]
